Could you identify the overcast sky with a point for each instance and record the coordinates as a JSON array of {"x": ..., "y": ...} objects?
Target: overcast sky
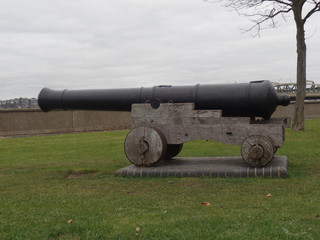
[{"x": 133, "y": 43}]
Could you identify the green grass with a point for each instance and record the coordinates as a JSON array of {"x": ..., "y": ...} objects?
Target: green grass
[{"x": 47, "y": 181}]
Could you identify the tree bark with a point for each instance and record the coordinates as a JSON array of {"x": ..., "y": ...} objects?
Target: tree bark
[{"x": 298, "y": 118}]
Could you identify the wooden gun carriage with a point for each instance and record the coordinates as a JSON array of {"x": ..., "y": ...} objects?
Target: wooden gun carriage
[{"x": 160, "y": 133}]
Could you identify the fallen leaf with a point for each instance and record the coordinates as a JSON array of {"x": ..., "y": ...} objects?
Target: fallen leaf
[
  {"x": 269, "y": 195},
  {"x": 70, "y": 221},
  {"x": 205, "y": 203}
]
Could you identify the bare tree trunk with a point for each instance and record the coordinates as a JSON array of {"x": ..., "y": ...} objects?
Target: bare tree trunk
[{"x": 298, "y": 118}]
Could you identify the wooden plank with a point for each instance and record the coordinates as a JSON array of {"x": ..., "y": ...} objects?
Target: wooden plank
[
  {"x": 169, "y": 110},
  {"x": 233, "y": 134}
]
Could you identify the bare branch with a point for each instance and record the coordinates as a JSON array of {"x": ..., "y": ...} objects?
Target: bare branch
[
  {"x": 312, "y": 11},
  {"x": 312, "y": 1},
  {"x": 267, "y": 17},
  {"x": 287, "y": 3},
  {"x": 260, "y": 12},
  {"x": 263, "y": 13}
]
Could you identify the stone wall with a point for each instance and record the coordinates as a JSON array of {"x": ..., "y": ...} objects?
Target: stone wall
[
  {"x": 34, "y": 122},
  {"x": 311, "y": 110}
]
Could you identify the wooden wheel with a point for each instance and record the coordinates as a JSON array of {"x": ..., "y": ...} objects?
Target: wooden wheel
[
  {"x": 257, "y": 150},
  {"x": 145, "y": 146},
  {"x": 173, "y": 150}
]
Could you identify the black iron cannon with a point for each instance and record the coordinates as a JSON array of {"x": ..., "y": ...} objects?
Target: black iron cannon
[
  {"x": 164, "y": 117},
  {"x": 254, "y": 99}
]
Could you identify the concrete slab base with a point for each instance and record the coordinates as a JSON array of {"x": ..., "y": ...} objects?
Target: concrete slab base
[{"x": 208, "y": 167}]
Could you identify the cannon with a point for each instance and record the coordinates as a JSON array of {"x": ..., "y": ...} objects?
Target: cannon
[{"x": 164, "y": 117}]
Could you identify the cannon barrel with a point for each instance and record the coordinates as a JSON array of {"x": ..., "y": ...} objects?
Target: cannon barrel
[{"x": 254, "y": 99}]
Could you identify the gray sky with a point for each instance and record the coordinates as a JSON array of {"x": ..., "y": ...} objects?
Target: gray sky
[{"x": 133, "y": 43}]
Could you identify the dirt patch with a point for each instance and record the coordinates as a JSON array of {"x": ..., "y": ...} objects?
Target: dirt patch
[{"x": 81, "y": 174}]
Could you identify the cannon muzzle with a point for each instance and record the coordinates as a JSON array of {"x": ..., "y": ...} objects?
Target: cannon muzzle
[{"x": 254, "y": 99}]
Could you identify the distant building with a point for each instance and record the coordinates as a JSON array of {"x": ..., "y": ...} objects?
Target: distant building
[{"x": 19, "y": 103}]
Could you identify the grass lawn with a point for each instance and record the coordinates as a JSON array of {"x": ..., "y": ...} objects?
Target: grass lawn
[{"x": 63, "y": 187}]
